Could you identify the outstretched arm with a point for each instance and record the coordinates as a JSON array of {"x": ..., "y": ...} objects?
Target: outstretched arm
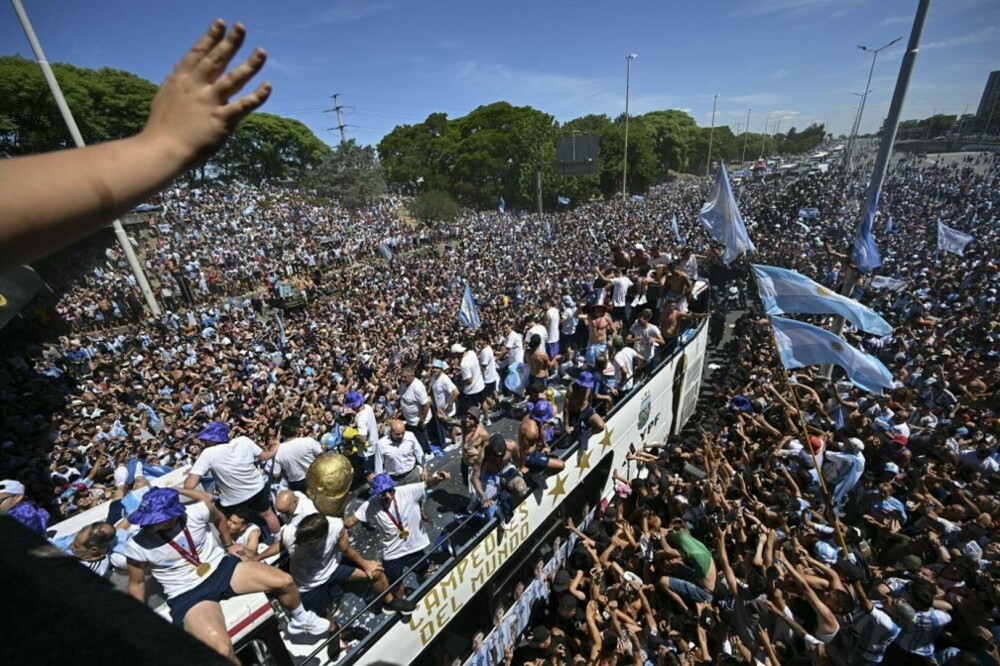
[{"x": 190, "y": 118}]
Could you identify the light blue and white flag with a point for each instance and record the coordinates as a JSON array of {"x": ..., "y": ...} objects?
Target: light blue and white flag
[
  {"x": 882, "y": 282},
  {"x": 673, "y": 227},
  {"x": 952, "y": 240},
  {"x": 783, "y": 291},
  {"x": 722, "y": 220},
  {"x": 865, "y": 255},
  {"x": 638, "y": 197},
  {"x": 503, "y": 206},
  {"x": 468, "y": 314},
  {"x": 888, "y": 225},
  {"x": 563, "y": 201},
  {"x": 801, "y": 345},
  {"x": 249, "y": 209},
  {"x": 384, "y": 249},
  {"x": 809, "y": 213}
]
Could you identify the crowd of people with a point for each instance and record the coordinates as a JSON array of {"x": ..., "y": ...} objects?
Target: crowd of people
[{"x": 721, "y": 548}]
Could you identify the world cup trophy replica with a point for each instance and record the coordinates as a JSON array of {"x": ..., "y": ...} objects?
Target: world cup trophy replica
[{"x": 328, "y": 483}]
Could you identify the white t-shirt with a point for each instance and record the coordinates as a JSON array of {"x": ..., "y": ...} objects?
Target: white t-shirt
[
  {"x": 408, "y": 501},
  {"x": 413, "y": 398},
  {"x": 552, "y": 327},
  {"x": 569, "y": 321},
  {"x": 442, "y": 388},
  {"x": 232, "y": 466},
  {"x": 367, "y": 426},
  {"x": 311, "y": 566},
  {"x": 619, "y": 287},
  {"x": 643, "y": 338},
  {"x": 515, "y": 348},
  {"x": 295, "y": 455},
  {"x": 470, "y": 370},
  {"x": 168, "y": 567},
  {"x": 304, "y": 508},
  {"x": 624, "y": 362},
  {"x": 538, "y": 330},
  {"x": 488, "y": 362}
]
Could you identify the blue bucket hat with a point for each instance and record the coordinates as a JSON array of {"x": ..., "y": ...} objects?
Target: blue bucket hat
[
  {"x": 216, "y": 431},
  {"x": 381, "y": 483},
  {"x": 157, "y": 505},
  {"x": 541, "y": 411},
  {"x": 742, "y": 403},
  {"x": 353, "y": 400},
  {"x": 585, "y": 380}
]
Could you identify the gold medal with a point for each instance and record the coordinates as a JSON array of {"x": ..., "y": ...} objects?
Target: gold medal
[
  {"x": 404, "y": 534},
  {"x": 202, "y": 569}
]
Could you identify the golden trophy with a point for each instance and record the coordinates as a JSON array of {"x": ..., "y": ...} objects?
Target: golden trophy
[{"x": 328, "y": 483}]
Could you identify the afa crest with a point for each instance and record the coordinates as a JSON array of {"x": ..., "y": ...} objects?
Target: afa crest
[
  {"x": 645, "y": 407},
  {"x": 837, "y": 346}
]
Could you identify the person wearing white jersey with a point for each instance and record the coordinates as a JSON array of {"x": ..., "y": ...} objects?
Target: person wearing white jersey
[
  {"x": 176, "y": 545},
  {"x": 445, "y": 395},
  {"x": 491, "y": 378},
  {"x": 317, "y": 548},
  {"x": 295, "y": 454},
  {"x": 366, "y": 425},
  {"x": 233, "y": 466},
  {"x": 415, "y": 406},
  {"x": 472, "y": 383},
  {"x": 552, "y": 330},
  {"x": 396, "y": 512}
]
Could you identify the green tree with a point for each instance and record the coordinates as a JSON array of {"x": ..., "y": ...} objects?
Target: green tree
[
  {"x": 107, "y": 104},
  {"x": 269, "y": 147},
  {"x": 351, "y": 173},
  {"x": 434, "y": 206},
  {"x": 674, "y": 133}
]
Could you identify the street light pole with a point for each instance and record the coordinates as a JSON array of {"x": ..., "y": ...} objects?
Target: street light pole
[
  {"x": 746, "y": 136},
  {"x": 628, "y": 78},
  {"x": 711, "y": 135},
  {"x": 868, "y": 85},
  {"x": 885, "y": 148},
  {"x": 763, "y": 138},
  {"x": 74, "y": 131}
]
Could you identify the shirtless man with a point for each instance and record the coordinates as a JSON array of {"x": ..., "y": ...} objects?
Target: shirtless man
[
  {"x": 599, "y": 324},
  {"x": 677, "y": 286},
  {"x": 670, "y": 324},
  {"x": 474, "y": 438},
  {"x": 532, "y": 441},
  {"x": 539, "y": 362}
]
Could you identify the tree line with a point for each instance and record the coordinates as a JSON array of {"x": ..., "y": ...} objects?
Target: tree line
[{"x": 494, "y": 151}]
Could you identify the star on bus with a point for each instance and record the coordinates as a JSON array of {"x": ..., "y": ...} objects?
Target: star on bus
[{"x": 606, "y": 440}]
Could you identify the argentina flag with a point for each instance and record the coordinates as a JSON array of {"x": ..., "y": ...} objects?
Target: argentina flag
[
  {"x": 563, "y": 201},
  {"x": 783, "y": 291},
  {"x": 865, "y": 254},
  {"x": 467, "y": 312},
  {"x": 503, "y": 206},
  {"x": 801, "y": 345},
  {"x": 673, "y": 227},
  {"x": 721, "y": 218},
  {"x": 952, "y": 240},
  {"x": 809, "y": 213}
]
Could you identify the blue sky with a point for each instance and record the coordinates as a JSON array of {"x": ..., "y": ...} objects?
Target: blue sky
[{"x": 395, "y": 61}]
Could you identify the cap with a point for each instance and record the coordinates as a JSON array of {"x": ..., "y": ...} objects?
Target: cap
[
  {"x": 856, "y": 444},
  {"x": 381, "y": 483},
  {"x": 585, "y": 380},
  {"x": 567, "y": 604},
  {"x": 11, "y": 487},
  {"x": 353, "y": 399},
  {"x": 497, "y": 445},
  {"x": 560, "y": 583},
  {"x": 539, "y": 634},
  {"x": 473, "y": 412},
  {"x": 891, "y": 467},
  {"x": 439, "y": 364},
  {"x": 909, "y": 563},
  {"x": 457, "y": 348},
  {"x": 216, "y": 431},
  {"x": 618, "y": 342},
  {"x": 640, "y": 246},
  {"x": 815, "y": 442}
]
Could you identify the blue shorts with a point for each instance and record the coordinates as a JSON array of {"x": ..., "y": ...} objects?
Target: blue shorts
[
  {"x": 536, "y": 461},
  {"x": 690, "y": 591},
  {"x": 321, "y": 598},
  {"x": 214, "y": 588},
  {"x": 394, "y": 569}
]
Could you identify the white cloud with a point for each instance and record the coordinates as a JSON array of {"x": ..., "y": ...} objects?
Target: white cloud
[
  {"x": 342, "y": 11},
  {"x": 987, "y": 34},
  {"x": 764, "y": 7},
  {"x": 779, "y": 74},
  {"x": 896, "y": 19}
]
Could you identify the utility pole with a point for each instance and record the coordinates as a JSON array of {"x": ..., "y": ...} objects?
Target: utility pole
[
  {"x": 340, "y": 121},
  {"x": 538, "y": 187},
  {"x": 50, "y": 78},
  {"x": 711, "y": 135},
  {"x": 885, "y": 149},
  {"x": 763, "y": 138},
  {"x": 628, "y": 77},
  {"x": 746, "y": 136}
]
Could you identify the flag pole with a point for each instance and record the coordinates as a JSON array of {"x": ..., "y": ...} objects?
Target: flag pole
[{"x": 805, "y": 442}]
